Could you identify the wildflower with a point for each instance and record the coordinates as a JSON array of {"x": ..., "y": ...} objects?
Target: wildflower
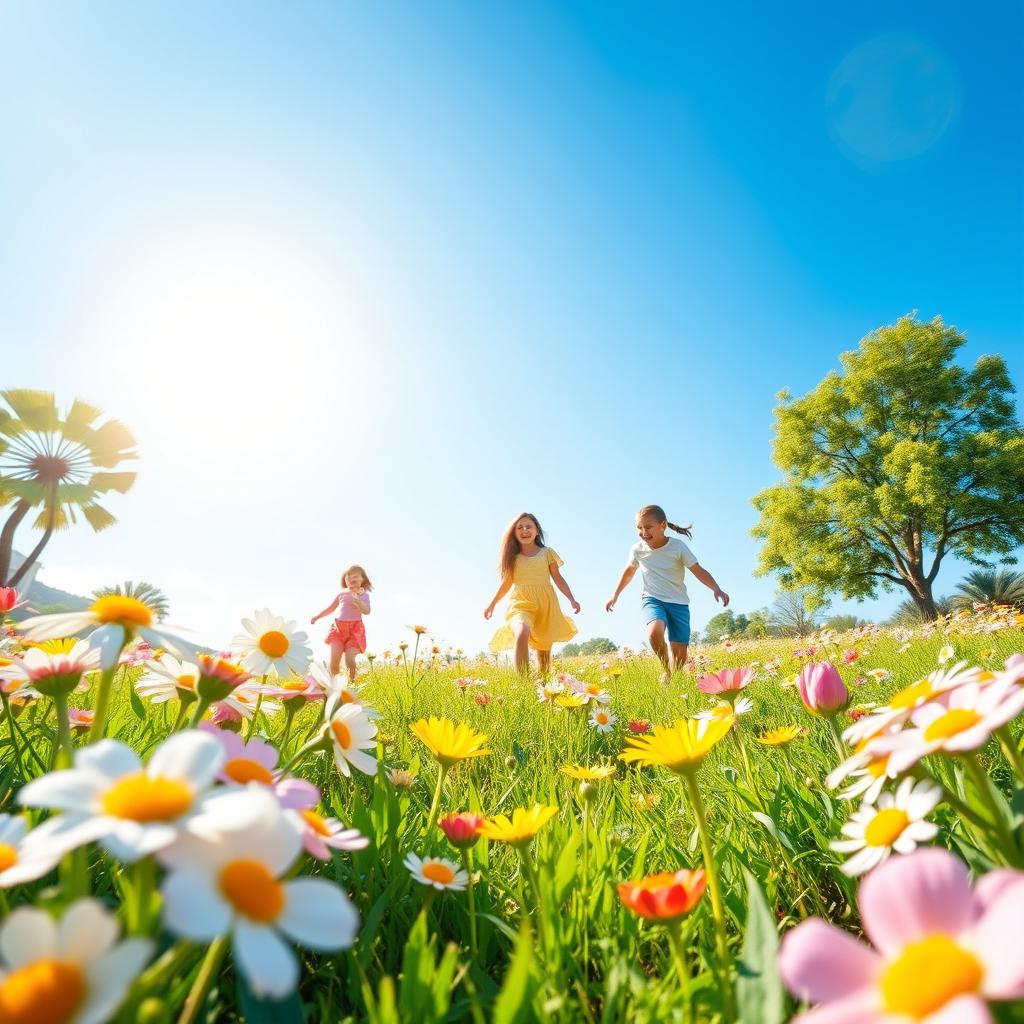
[
  {"x": 218, "y": 677},
  {"x": 320, "y": 835},
  {"x": 437, "y": 872},
  {"x": 850, "y": 656},
  {"x": 727, "y": 712},
  {"x": 946, "y": 653},
  {"x": 880, "y": 675},
  {"x": 870, "y": 769},
  {"x": 896, "y": 824},
  {"x": 401, "y": 779},
  {"x": 783, "y": 734},
  {"x": 602, "y": 719},
  {"x": 680, "y": 747},
  {"x": 664, "y": 897},
  {"x": 270, "y": 644},
  {"x": 726, "y": 683},
  {"x": 353, "y": 732},
  {"x": 118, "y": 619},
  {"x": 9, "y": 600},
  {"x": 590, "y": 692},
  {"x": 941, "y": 951},
  {"x": 462, "y": 830},
  {"x": 518, "y": 830},
  {"x": 74, "y": 972},
  {"x": 638, "y": 726},
  {"x": 591, "y": 774},
  {"x": 24, "y": 858},
  {"x": 227, "y": 879},
  {"x": 80, "y": 718},
  {"x": 822, "y": 690},
  {"x": 168, "y": 678},
  {"x": 569, "y": 701},
  {"x": 419, "y": 630},
  {"x": 52, "y": 674},
  {"x": 448, "y": 742},
  {"x": 482, "y": 699},
  {"x": 240, "y": 704}
]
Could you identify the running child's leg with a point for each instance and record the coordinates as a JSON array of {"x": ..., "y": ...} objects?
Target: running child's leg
[
  {"x": 521, "y": 632},
  {"x": 678, "y": 656},
  {"x": 337, "y": 650},
  {"x": 656, "y": 636},
  {"x": 544, "y": 662},
  {"x": 350, "y": 663}
]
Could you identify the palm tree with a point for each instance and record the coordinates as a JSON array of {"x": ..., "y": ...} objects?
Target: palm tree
[
  {"x": 909, "y": 614},
  {"x": 57, "y": 464},
  {"x": 991, "y": 586},
  {"x": 151, "y": 596}
]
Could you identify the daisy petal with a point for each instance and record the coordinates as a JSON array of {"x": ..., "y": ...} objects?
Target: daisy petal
[
  {"x": 193, "y": 756},
  {"x": 86, "y": 931},
  {"x": 996, "y": 940},
  {"x": 821, "y": 963},
  {"x": 109, "y": 977},
  {"x": 267, "y": 964},
  {"x": 193, "y": 905},
  {"x": 318, "y": 915},
  {"x": 27, "y": 935},
  {"x": 962, "y": 1010}
]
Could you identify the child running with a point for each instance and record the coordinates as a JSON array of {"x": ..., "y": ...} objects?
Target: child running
[
  {"x": 663, "y": 562},
  {"x": 533, "y": 617},
  {"x": 347, "y": 636}
]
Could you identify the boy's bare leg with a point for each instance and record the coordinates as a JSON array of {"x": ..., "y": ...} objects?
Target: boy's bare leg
[{"x": 678, "y": 657}]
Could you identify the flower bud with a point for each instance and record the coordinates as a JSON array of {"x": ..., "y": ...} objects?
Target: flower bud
[
  {"x": 822, "y": 689},
  {"x": 462, "y": 830},
  {"x": 588, "y": 791}
]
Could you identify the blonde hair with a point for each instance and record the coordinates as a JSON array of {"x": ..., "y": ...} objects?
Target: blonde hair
[
  {"x": 658, "y": 513},
  {"x": 510, "y": 547},
  {"x": 367, "y": 585}
]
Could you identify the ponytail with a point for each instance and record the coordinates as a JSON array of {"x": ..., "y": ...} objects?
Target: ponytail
[{"x": 659, "y": 513}]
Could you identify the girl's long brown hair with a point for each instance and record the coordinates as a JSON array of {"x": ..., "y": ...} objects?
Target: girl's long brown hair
[
  {"x": 510, "y": 544},
  {"x": 657, "y": 512},
  {"x": 367, "y": 585}
]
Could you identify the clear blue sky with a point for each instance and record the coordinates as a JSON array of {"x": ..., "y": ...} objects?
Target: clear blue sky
[{"x": 368, "y": 280}]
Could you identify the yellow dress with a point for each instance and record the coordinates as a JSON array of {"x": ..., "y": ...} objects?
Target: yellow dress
[{"x": 532, "y": 600}]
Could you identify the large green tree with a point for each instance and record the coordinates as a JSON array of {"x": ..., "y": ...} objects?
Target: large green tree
[{"x": 898, "y": 461}]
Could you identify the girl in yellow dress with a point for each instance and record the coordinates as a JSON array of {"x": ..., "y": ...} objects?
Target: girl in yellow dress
[{"x": 533, "y": 617}]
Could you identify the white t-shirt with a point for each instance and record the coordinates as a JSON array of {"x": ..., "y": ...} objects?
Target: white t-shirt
[{"x": 663, "y": 569}]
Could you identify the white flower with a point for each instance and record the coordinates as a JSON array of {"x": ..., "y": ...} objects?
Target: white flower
[
  {"x": 167, "y": 678},
  {"x": 946, "y": 653},
  {"x": 241, "y": 703},
  {"x": 24, "y": 858},
  {"x": 896, "y": 824},
  {"x": 320, "y": 834},
  {"x": 726, "y": 710},
  {"x": 50, "y": 673},
  {"x": 602, "y": 719},
  {"x": 590, "y": 692},
  {"x": 132, "y": 811},
  {"x": 225, "y": 877},
  {"x": 869, "y": 769},
  {"x": 547, "y": 692},
  {"x": 119, "y": 618},
  {"x": 72, "y": 972},
  {"x": 436, "y": 872},
  {"x": 270, "y": 644},
  {"x": 352, "y": 733}
]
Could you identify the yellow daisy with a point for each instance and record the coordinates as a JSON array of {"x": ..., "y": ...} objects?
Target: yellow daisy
[
  {"x": 524, "y": 824},
  {"x": 679, "y": 747},
  {"x": 585, "y": 774},
  {"x": 448, "y": 742},
  {"x": 783, "y": 734}
]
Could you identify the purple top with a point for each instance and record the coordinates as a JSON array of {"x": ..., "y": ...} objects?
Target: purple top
[{"x": 348, "y": 610}]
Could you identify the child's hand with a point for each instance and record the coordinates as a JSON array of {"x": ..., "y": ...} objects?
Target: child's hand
[
  {"x": 610, "y": 606},
  {"x": 721, "y": 595},
  {"x": 312, "y": 621},
  {"x": 488, "y": 611},
  {"x": 575, "y": 606}
]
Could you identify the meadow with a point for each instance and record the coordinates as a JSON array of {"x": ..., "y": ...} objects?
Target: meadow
[{"x": 602, "y": 867}]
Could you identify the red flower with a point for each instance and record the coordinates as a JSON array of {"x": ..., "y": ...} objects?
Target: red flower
[
  {"x": 666, "y": 896},
  {"x": 9, "y": 599},
  {"x": 482, "y": 699},
  {"x": 639, "y": 726},
  {"x": 463, "y": 829}
]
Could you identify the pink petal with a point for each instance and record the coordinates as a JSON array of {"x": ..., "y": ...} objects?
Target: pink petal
[
  {"x": 962, "y": 1010},
  {"x": 861, "y": 1008},
  {"x": 820, "y": 963},
  {"x": 990, "y": 887},
  {"x": 997, "y": 942},
  {"x": 907, "y": 898}
]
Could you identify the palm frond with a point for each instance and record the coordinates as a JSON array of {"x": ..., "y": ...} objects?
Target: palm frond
[
  {"x": 97, "y": 517},
  {"x": 111, "y": 443},
  {"x": 112, "y": 481},
  {"x": 36, "y": 409}
]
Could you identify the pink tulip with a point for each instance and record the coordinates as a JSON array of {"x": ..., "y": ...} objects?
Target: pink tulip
[
  {"x": 822, "y": 689},
  {"x": 941, "y": 951},
  {"x": 727, "y": 683},
  {"x": 9, "y": 599}
]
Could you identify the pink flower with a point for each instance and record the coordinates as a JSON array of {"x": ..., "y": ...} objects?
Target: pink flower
[
  {"x": 822, "y": 689},
  {"x": 9, "y": 599},
  {"x": 80, "y": 718},
  {"x": 941, "y": 951},
  {"x": 727, "y": 683},
  {"x": 483, "y": 699},
  {"x": 850, "y": 656},
  {"x": 462, "y": 830},
  {"x": 639, "y": 726},
  {"x": 320, "y": 835}
]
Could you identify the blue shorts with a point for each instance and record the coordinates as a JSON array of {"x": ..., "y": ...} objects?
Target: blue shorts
[{"x": 675, "y": 616}]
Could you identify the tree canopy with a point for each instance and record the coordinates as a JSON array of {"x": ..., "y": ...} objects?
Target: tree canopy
[{"x": 889, "y": 466}]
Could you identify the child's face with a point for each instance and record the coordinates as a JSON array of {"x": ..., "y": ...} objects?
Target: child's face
[
  {"x": 353, "y": 580},
  {"x": 650, "y": 529},
  {"x": 526, "y": 532}
]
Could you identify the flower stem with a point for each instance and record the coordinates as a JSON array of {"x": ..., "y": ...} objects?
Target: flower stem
[
  {"x": 255, "y": 717},
  {"x": 531, "y": 873},
  {"x": 197, "y": 716},
  {"x": 436, "y": 804},
  {"x": 64, "y": 746},
  {"x": 204, "y": 979},
  {"x": 103, "y": 688},
  {"x": 837, "y": 737},
  {"x": 679, "y": 956},
  {"x": 471, "y": 898},
  {"x": 717, "y": 909},
  {"x": 9, "y": 712},
  {"x": 1011, "y": 750}
]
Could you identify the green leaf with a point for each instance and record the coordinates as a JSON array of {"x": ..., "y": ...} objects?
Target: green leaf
[
  {"x": 136, "y": 702},
  {"x": 514, "y": 1004},
  {"x": 760, "y": 997},
  {"x": 565, "y": 868},
  {"x": 774, "y": 829}
]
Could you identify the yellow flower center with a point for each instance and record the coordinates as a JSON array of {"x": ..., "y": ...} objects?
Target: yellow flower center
[
  {"x": 342, "y": 734},
  {"x": 927, "y": 975},
  {"x": 186, "y": 682},
  {"x": 294, "y": 684},
  {"x": 245, "y": 769},
  {"x": 8, "y": 856},
  {"x": 436, "y": 872},
  {"x": 593, "y": 689},
  {"x": 316, "y": 823},
  {"x": 273, "y": 643},
  {"x": 886, "y": 827},
  {"x": 954, "y": 721},
  {"x": 878, "y": 766},
  {"x": 912, "y": 694},
  {"x": 252, "y": 890},
  {"x": 43, "y": 992},
  {"x": 125, "y": 611},
  {"x": 141, "y": 798}
]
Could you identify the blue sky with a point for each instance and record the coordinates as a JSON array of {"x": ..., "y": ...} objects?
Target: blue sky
[{"x": 369, "y": 280}]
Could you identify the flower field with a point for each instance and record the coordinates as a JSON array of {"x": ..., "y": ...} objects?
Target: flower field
[{"x": 832, "y": 827}]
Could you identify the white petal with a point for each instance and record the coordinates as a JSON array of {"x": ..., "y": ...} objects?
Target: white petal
[
  {"x": 110, "y": 758},
  {"x": 50, "y": 627},
  {"x": 193, "y": 905},
  {"x": 67, "y": 790},
  {"x": 267, "y": 964},
  {"x": 130, "y": 840},
  {"x": 86, "y": 931},
  {"x": 109, "y": 639},
  {"x": 12, "y": 829},
  {"x": 194, "y": 757},
  {"x": 108, "y": 979},
  {"x": 318, "y": 914},
  {"x": 27, "y": 935}
]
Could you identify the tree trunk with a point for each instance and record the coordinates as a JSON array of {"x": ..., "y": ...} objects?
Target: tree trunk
[
  {"x": 921, "y": 593},
  {"x": 7, "y": 538},
  {"x": 37, "y": 550}
]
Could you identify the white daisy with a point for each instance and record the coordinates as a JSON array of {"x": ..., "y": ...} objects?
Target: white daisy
[
  {"x": 167, "y": 678},
  {"x": 602, "y": 719},
  {"x": 352, "y": 733},
  {"x": 119, "y": 620},
  {"x": 547, "y": 692},
  {"x": 724, "y": 710},
  {"x": 24, "y": 856},
  {"x": 132, "y": 811},
  {"x": 895, "y": 824},
  {"x": 271, "y": 644},
  {"x": 225, "y": 878},
  {"x": 71, "y": 972},
  {"x": 51, "y": 673},
  {"x": 241, "y": 703},
  {"x": 436, "y": 872},
  {"x": 590, "y": 692}
]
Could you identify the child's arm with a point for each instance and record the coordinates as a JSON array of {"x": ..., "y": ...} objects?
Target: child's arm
[
  {"x": 563, "y": 587},
  {"x": 506, "y": 586},
  {"x": 624, "y": 580},
  {"x": 364, "y": 609},
  {"x": 326, "y": 611},
  {"x": 709, "y": 581}
]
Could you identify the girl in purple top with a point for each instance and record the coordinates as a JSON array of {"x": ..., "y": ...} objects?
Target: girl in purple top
[{"x": 347, "y": 636}]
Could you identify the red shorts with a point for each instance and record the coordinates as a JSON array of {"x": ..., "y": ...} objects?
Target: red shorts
[{"x": 348, "y": 634}]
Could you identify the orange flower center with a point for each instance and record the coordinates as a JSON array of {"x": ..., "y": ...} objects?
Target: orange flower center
[
  {"x": 341, "y": 734},
  {"x": 437, "y": 872},
  {"x": 927, "y": 975},
  {"x": 43, "y": 992},
  {"x": 186, "y": 682},
  {"x": 141, "y": 798},
  {"x": 125, "y": 611},
  {"x": 316, "y": 823},
  {"x": 294, "y": 684},
  {"x": 886, "y": 827},
  {"x": 245, "y": 769},
  {"x": 8, "y": 856},
  {"x": 954, "y": 721},
  {"x": 252, "y": 890},
  {"x": 274, "y": 643},
  {"x": 911, "y": 695}
]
